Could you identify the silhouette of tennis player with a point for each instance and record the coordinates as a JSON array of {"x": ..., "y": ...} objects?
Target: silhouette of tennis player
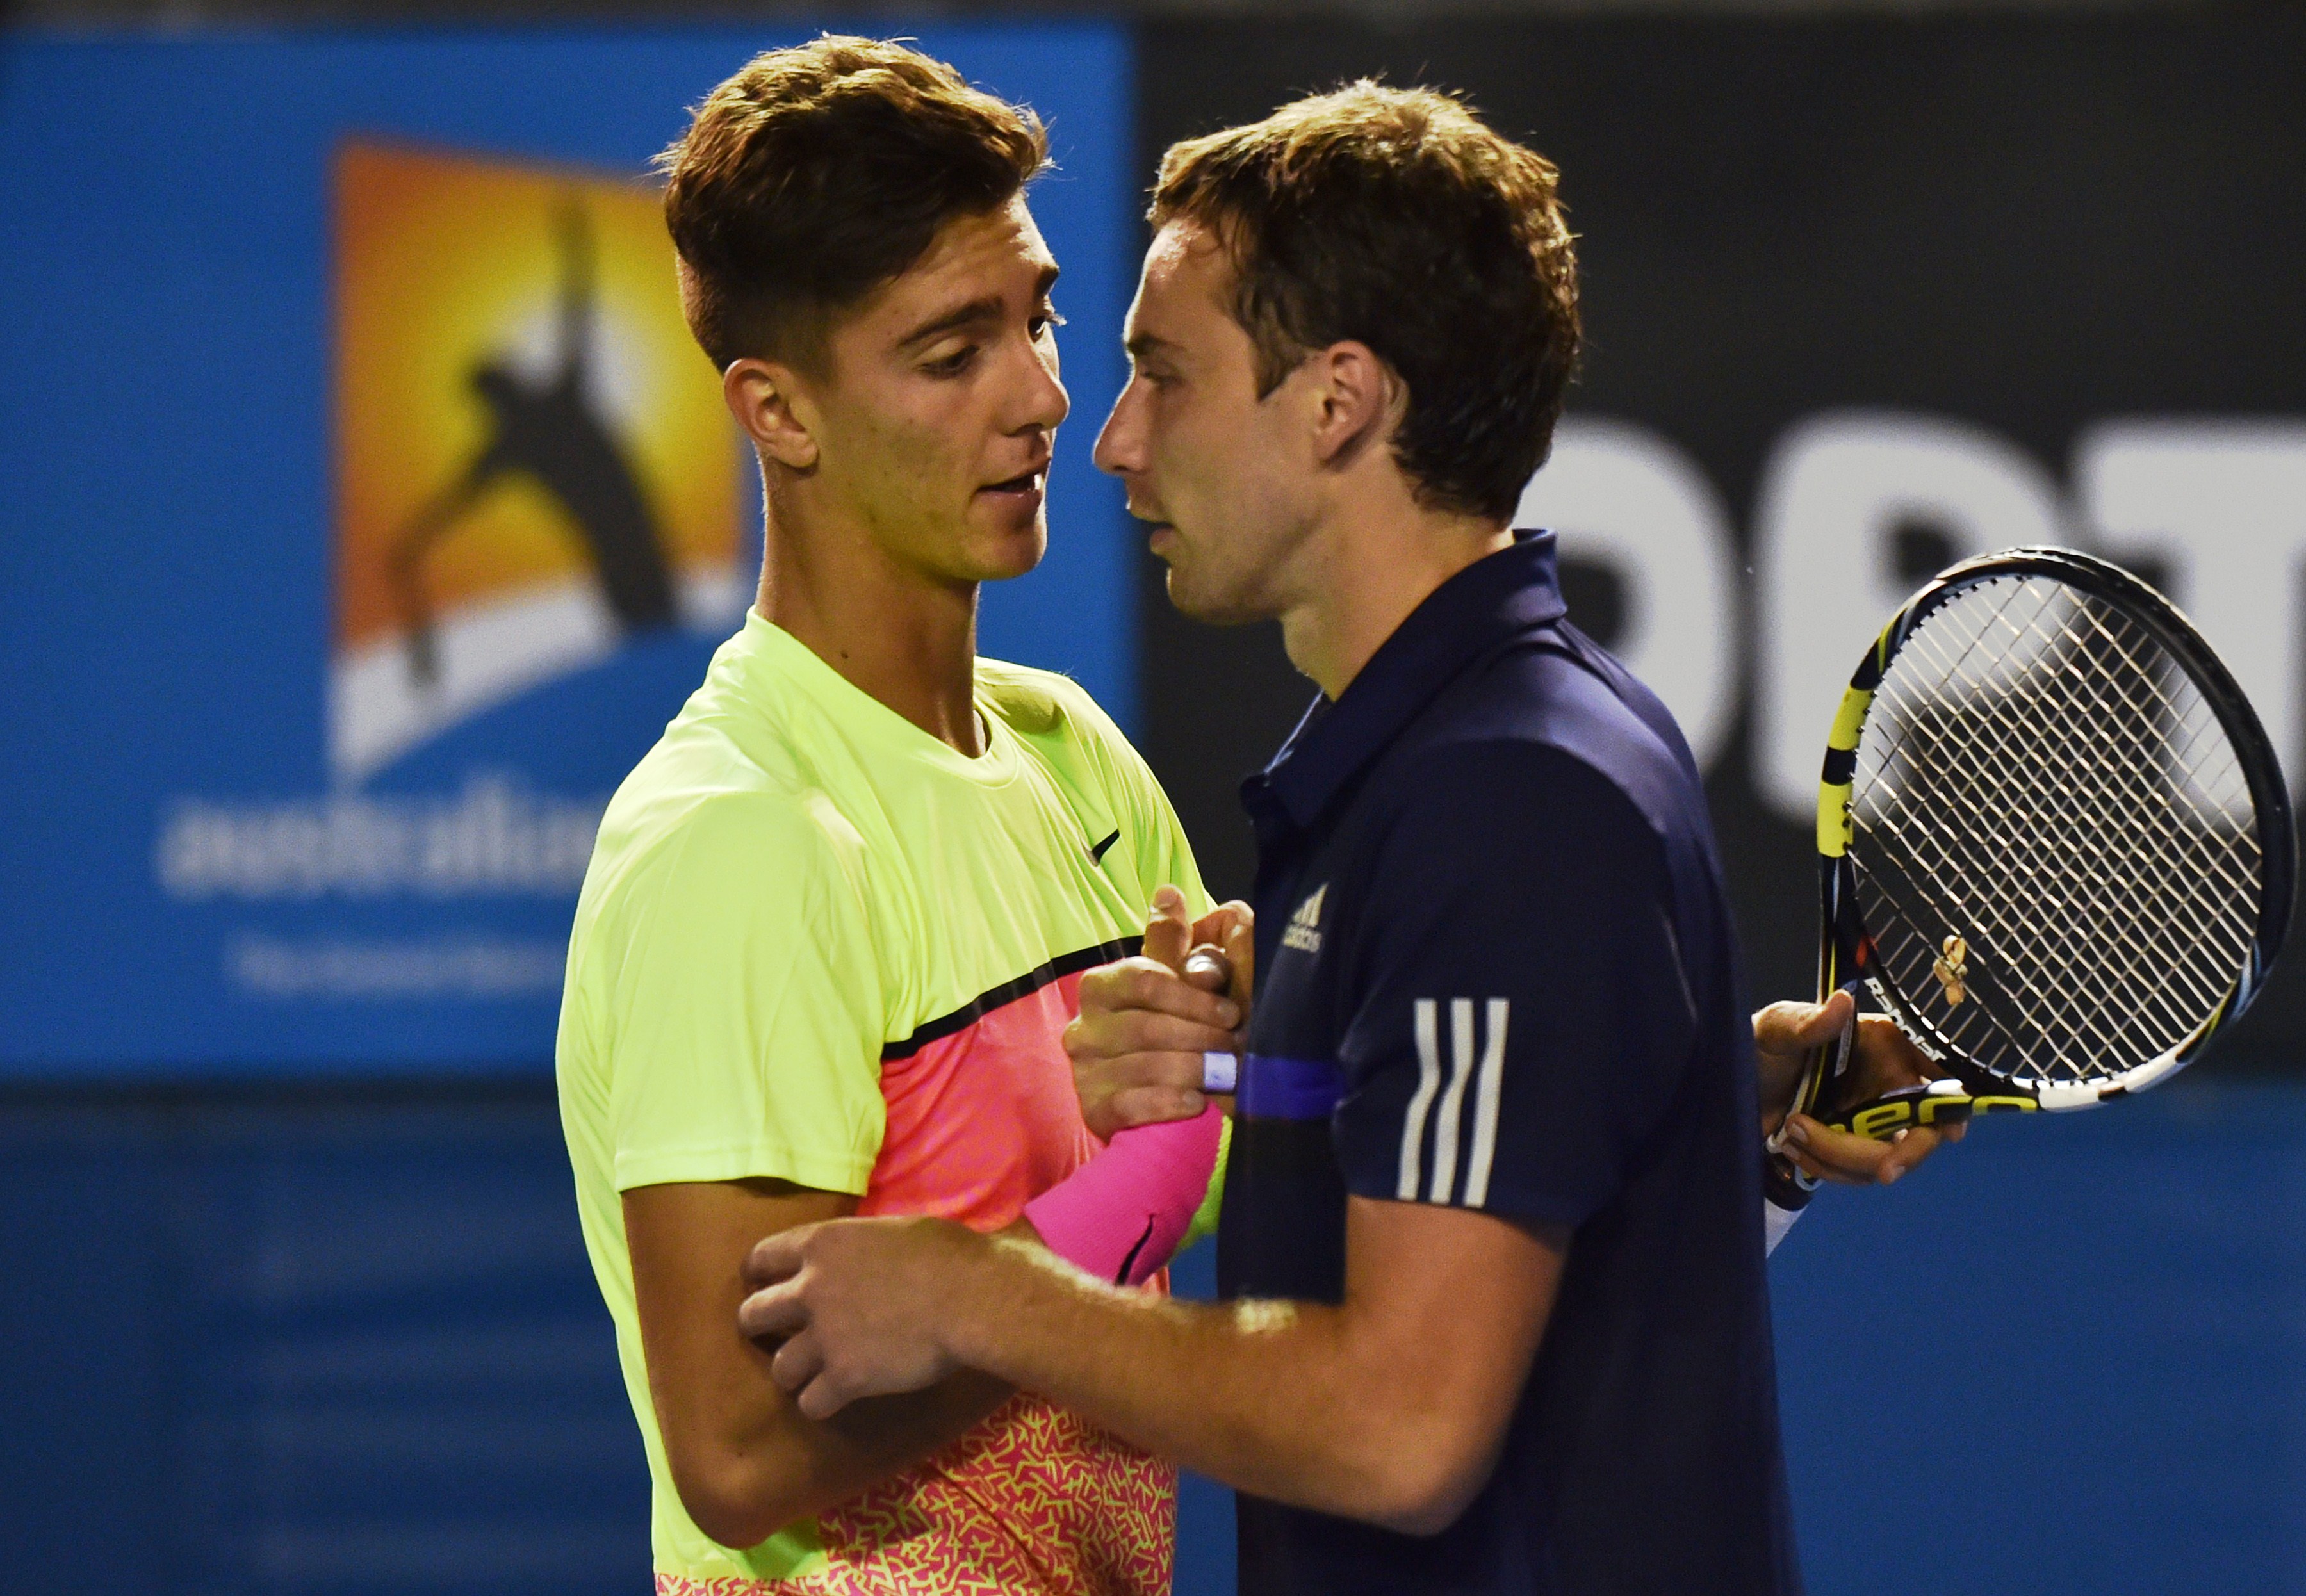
[{"x": 550, "y": 431}]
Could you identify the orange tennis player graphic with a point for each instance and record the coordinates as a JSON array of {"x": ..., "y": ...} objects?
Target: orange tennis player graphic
[
  {"x": 534, "y": 464},
  {"x": 551, "y": 431}
]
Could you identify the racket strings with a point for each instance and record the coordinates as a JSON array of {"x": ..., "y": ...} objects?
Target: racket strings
[
  {"x": 2135, "y": 804},
  {"x": 2038, "y": 1006},
  {"x": 2140, "y": 805},
  {"x": 2151, "y": 803},
  {"x": 2084, "y": 892},
  {"x": 2132, "y": 797},
  {"x": 2041, "y": 778},
  {"x": 2103, "y": 878},
  {"x": 2013, "y": 759},
  {"x": 2084, "y": 897}
]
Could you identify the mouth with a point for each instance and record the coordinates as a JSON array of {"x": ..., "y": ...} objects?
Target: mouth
[
  {"x": 1156, "y": 524},
  {"x": 1026, "y": 485}
]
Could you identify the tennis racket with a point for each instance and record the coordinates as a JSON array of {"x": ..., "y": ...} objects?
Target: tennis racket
[{"x": 2053, "y": 844}]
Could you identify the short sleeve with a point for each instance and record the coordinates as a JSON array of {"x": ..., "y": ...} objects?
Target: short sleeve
[
  {"x": 746, "y": 1024},
  {"x": 1523, "y": 1016}
]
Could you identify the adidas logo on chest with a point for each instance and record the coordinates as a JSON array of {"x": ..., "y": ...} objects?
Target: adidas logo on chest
[{"x": 1303, "y": 932}]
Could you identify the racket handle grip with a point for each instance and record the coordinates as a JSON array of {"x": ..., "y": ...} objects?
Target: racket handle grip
[
  {"x": 1784, "y": 1185},
  {"x": 1933, "y": 1103},
  {"x": 1782, "y": 1180}
]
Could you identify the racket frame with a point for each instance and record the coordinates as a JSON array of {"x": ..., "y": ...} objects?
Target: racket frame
[{"x": 1846, "y": 954}]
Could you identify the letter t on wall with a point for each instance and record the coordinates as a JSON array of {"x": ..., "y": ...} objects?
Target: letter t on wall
[
  {"x": 1837, "y": 489},
  {"x": 2221, "y": 506}
]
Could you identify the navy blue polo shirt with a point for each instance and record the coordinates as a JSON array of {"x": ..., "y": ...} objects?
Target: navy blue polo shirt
[{"x": 1495, "y": 971}]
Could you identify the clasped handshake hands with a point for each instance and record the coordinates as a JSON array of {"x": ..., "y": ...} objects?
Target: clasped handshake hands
[
  {"x": 866, "y": 1307},
  {"x": 1146, "y": 1023}
]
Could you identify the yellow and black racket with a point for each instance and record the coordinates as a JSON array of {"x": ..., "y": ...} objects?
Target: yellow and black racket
[{"x": 2053, "y": 844}]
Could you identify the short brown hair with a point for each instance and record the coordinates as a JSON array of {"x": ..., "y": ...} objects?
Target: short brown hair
[
  {"x": 818, "y": 173},
  {"x": 1395, "y": 217}
]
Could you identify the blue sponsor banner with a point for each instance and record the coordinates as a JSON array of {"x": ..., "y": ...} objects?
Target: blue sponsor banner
[{"x": 366, "y": 515}]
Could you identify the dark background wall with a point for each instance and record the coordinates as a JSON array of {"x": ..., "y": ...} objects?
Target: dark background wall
[{"x": 2023, "y": 226}]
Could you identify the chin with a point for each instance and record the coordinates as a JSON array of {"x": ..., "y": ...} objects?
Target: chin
[
  {"x": 1005, "y": 557},
  {"x": 1196, "y": 601}
]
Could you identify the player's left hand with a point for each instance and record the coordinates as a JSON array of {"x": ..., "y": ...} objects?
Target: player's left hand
[
  {"x": 858, "y": 1304},
  {"x": 1882, "y": 1059}
]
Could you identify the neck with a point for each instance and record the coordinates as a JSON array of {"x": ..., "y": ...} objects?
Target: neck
[
  {"x": 1369, "y": 565},
  {"x": 894, "y": 633}
]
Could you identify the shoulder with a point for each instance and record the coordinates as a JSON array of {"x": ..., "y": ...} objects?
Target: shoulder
[
  {"x": 1056, "y": 714},
  {"x": 1035, "y": 703},
  {"x": 707, "y": 856},
  {"x": 769, "y": 826},
  {"x": 740, "y": 775},
  {"x": 1545, "y": 718},
  {"x": 1495, "y": 810}
]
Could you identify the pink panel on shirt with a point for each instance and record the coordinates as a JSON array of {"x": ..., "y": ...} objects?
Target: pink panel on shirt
[
  {"x": 1034, "y": 1501},
  {"x": 984, "y": 1121}
]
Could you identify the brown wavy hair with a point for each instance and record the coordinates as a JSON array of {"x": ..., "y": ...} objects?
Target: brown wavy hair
[
  {"x": 819, "y": 172},
  {"x": 1396, "y": 219}
]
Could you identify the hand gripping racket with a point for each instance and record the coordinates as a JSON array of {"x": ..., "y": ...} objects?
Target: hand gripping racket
[{"x": 2053, "y": 844}]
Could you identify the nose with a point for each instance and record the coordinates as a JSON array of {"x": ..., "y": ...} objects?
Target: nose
[
  {"x": 1120, "y": 448},
  {"x": 1046, "y": 403}
]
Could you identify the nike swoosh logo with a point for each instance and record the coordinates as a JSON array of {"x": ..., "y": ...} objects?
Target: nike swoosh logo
[{"x": 1097, "y": 853}]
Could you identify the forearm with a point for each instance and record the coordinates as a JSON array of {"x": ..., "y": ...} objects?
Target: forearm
[
  {"x": 770, "y": 1466},
  {"x": 808, "y": 1467},
  {"x": 745, "y": 1460},
  {"x": 1272, "y": 1398},
  {"x": 799, "y": 1466},
  {"x": 1388, "y": 1407}
]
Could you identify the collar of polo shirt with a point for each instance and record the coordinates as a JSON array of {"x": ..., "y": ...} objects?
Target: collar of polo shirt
[{"x": 1493, "y": 599}]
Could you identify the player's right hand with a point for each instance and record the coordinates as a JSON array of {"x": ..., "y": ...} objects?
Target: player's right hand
[
  {"x": 1882, "y": 1059},
  {"x": 1137, "y": 1042}
]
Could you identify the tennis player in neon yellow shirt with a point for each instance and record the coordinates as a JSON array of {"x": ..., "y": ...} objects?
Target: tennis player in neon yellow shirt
[{"x": 836, "y": 921}]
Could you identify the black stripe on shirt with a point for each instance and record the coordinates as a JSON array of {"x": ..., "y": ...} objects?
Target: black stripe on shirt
[{"x": 1009, "y": 991}]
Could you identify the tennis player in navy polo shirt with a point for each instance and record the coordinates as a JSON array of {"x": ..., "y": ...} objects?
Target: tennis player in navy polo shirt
[{"x": 1493, "y": 1236}]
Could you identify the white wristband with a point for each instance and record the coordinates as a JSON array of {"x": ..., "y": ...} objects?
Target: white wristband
[
  {"x": 1219, "y": 1071},
  {"x": 1775, "y": 1222}
]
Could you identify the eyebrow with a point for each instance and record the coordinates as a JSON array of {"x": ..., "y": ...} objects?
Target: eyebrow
[
  {"x": 1145, "y": 342},
  {"x": 986, "y": 308}
]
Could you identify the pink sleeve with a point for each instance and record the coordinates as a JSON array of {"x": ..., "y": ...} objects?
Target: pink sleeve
[{"x": 1121, "y": 1214}]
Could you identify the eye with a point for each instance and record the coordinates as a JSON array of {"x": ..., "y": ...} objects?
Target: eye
[
  {"x": 953, "y": 364},
  {"x": 1047, "y": 320}
]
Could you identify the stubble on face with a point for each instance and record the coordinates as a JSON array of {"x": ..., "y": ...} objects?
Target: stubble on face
[
  {"x": 939, "y": 402},
  {"x": 1225, "y": 476}
]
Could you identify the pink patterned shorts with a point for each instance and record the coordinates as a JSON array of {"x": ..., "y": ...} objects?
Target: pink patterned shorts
[{"x": 1032, "y": 1502}]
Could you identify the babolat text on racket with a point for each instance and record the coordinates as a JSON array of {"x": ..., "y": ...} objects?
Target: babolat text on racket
[{"x": 2054, "y": 843}]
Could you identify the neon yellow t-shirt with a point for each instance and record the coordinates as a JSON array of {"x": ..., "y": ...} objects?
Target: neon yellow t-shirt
[{"x": 816, "y": 945}]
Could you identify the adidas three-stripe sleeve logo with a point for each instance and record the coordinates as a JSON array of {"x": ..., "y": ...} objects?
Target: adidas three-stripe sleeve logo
[{"x": 1460, "y": 1138}]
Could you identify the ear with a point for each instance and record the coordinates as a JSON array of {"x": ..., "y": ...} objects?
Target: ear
[
  {"x": 1358, "y": 401},
  {"x": 769, "y": 404}
]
